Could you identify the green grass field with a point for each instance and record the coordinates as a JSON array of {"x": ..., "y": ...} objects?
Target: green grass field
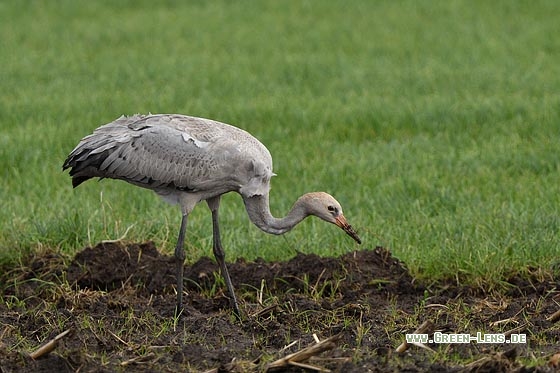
[{"x": 435, "y": 124}]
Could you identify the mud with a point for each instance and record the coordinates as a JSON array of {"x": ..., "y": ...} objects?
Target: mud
[{"x": 118, "y": 302}]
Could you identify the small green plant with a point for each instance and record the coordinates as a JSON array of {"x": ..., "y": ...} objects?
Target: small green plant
[{"x": 362, "y": 331}]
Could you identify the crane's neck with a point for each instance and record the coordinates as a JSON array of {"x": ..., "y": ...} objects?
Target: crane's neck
[{"x": 258, "y": 209}]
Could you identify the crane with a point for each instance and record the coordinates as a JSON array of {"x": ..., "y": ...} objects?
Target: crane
[{"x": 186, "y": 160}]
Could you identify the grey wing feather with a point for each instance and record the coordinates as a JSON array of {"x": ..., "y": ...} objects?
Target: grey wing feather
[
  {"x": 153, "y": 155},
  {"x": 163, "y": 151}
]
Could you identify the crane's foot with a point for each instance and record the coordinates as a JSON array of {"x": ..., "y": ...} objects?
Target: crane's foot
[
  {"x": 232, "y": 298},
  {"x": 235, "y": 308},
  {"x": 179, "y": 311}
]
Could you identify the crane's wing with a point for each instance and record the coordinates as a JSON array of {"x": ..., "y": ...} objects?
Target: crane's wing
[{"x": 171, "y": 151}]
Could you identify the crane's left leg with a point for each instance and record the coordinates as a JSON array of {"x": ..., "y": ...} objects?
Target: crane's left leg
[
  {"x": 214, "y": 205},
  {"x": 179, "y": 262}
]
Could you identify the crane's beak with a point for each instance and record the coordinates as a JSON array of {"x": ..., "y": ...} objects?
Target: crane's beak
[{"x": 342, "y": 223}]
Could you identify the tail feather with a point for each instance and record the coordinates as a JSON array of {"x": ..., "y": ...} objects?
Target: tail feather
[
  {"x": 84, "y": 165},
  {"x": 86, "y": 159},
  {"x": 77, "y": 180}
]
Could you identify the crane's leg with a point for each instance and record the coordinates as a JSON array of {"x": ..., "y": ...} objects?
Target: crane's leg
[
  {"x": 180, "y": 261},
  {"x": 214, "y": 204}
]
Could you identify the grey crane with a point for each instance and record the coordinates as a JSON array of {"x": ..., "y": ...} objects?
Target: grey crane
[{"x": 186, "y": 160}]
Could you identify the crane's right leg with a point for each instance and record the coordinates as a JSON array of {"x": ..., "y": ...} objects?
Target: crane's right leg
[{"x": 179, "y": 262}]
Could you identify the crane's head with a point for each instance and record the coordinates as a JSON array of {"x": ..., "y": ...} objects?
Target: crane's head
[{"x": 324, "y": 206}]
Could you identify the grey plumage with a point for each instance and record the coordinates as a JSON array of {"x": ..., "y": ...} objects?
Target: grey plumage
[
  {"x": 187, "y": 160},
  {"x": 166, "y": 153}
]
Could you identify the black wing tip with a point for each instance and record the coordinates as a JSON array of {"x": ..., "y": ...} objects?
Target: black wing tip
[
  {"x": 66, "y": 164},
  {"x": 77, "y": 180}
]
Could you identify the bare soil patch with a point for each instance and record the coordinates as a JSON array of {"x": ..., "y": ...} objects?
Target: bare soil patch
[{"x": 117, "y": 301}]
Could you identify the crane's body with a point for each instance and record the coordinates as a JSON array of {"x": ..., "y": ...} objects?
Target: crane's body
[
  {"x": 187, "y": 160},
  {"x": 176, "y": 156}
]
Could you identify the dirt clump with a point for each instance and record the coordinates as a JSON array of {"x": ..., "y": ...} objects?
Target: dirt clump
[{"x": 118, "y": 302}]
